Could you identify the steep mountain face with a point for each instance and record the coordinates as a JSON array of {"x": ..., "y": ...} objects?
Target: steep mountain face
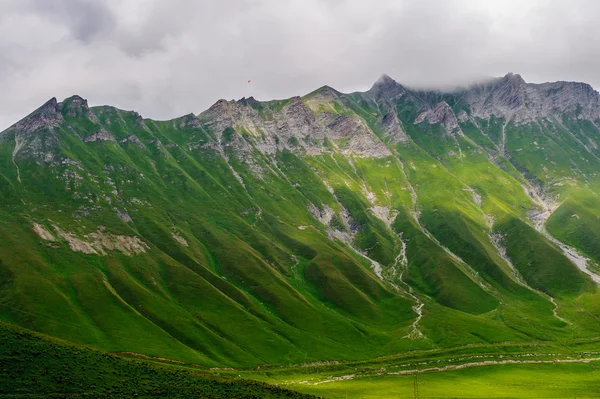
[{"x": 329, "y": 226}]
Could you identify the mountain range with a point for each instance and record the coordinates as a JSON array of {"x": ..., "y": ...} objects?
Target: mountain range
[{"x": 326, "y": 227}]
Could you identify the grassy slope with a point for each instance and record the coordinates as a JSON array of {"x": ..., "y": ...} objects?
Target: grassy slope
[
  {"x": 248, "y": 267},
  {"x": 34, "y": 366}
]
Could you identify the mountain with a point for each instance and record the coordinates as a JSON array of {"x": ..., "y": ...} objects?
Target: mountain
[{"x": 331, "y": 226}]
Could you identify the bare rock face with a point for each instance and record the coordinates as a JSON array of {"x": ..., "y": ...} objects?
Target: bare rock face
[
  {"x": 101, "y": 135},
  {"x": 323, "y": 214},
  {"x": 512, "y": 98},
  {"x": 187, "y": 121},
  {"x": 577, "y": 99},
  {"x": 218, "y": 117},
  {"x": 441, "y": 114},
  {"x": 393, "y": 129},
  {"x": 132, "y": 138},
  {"x": 386, "y": 88},
  {"x": 35, "y": 135},
  {"x": 462, "y": 116},
  {"x": 48, "y": 116},
  {"x": 300, "y": 126},
  {"x": 501, "y": 97}
]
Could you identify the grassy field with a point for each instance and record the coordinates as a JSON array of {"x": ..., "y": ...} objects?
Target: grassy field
[{"x": 507, "y": 381}]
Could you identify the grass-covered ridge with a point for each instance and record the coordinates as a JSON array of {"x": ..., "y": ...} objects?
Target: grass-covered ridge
[
  {"x": 34, "y": 366},
  {"x": 329, "y": 227}
]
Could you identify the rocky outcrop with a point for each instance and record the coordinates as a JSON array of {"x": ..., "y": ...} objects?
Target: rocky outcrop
[
  {"x": 511, "y": 97},
  {"x": 386, "y": 89},
  {"x": 101, "y": 135},
  {"x": 132, "y": 138},
  {"x": 296, "y": 126},
  {"x": 35, "y": 136},
  {"x": 392, "y": 128},
  {"x": 48, "y": 116},
  {"x": 77, "y": 107},
  {"x": 441, "y": 114}
]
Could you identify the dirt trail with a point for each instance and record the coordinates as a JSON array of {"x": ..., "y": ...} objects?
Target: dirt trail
[
  {"x": 380, "y": 373},
  {"x": 493, "y": 363}
]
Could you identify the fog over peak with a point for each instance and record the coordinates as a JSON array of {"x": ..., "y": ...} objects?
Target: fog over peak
[{"x": 169, "y": 58}]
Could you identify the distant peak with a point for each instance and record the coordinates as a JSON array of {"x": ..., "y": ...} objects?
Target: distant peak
[
  {"x": 514, "y": 77},
  {"x": 76, "y": 107},
  {"x": 50, "y": 107},
  {"x": 385, "y": 79},
  {"x": 328, "y": 90},
  {"x": 74, "y": 102},
  {"x": 76, "y": 98},
  {"x": 386, "y": 87},
  {"x": 48, "y": 115},
  {"x": 50, "y": 104},
  {"x": 245, "y": 101}
]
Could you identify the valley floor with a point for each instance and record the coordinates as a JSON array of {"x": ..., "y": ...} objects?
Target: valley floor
[
  {"x": 32, "y": 365},
  {"x": 554, "y": 380},
  {"x": 483, "y": 371}
]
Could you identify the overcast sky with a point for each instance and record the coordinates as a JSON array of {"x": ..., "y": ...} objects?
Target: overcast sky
[{"x": 166, "y": 58}]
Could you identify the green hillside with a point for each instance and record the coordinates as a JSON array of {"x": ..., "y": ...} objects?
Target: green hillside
[
  {"x": 326, "y": 227},
  {"x": 36, "y": 367}
]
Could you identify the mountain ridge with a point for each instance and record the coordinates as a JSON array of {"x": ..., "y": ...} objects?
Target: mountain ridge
[{"x": 328, "y": 226}]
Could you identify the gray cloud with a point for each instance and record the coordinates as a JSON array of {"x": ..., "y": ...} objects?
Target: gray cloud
[
  {"x": 167, "y": 58},
  {"x": 85, "y": 19}
]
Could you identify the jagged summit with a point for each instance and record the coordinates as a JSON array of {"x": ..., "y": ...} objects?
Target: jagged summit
[
  {"x": 384, "y": 79},
  {"x": 514, "y": 77},
  {"x": 324, "y": 91},
  {"x": 46, "y": 116},
  {"x": 507, "y": 96},
  {"x": 385, "y": 87},
  {"x": 513, "y": 98}
]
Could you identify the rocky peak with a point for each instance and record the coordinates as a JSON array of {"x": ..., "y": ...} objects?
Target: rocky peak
[
  {"x": 511, "y": 92},
  {"x": 189, "y": 120},
  {"x": 386, "y": 88},
  {"x": 46, "y": 116},
  {"x": 329, "y": 92},
  {"x": 510, "y": 97},
  {"x": 248, "y": 101},
  {"x": 218, "y": 116},
  {"x": 578, "y": 99},
  {"x": 514, "y": 78},
  {"x": 74, "y": 103},
  {"x": 393, "y": 128},
  {"x": 503, "y": 97},
  {"x": 77, "y": 107}
]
